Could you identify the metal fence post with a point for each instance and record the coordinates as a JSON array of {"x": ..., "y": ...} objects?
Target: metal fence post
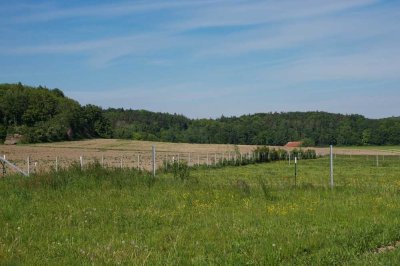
[
  {"x": 295, "y": 170},
  {"x": 331, "y": 163},
  {"x": 28, "y": 164},
  {"x": 154, "y": 160},
  {"x": 81, "y": 161}
]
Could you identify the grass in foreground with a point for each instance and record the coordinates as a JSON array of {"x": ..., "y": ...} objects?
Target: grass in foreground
[{"x": 233, "y": 215}]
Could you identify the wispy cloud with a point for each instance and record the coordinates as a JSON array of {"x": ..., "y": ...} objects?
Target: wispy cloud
[
  {"x": 101, "y": 51},
  {"x": 381, "y": 64},
  {"x": 257, "y": 12},
  {"x": 309, "y": 32},
  {"x": 51, "y": 12}
]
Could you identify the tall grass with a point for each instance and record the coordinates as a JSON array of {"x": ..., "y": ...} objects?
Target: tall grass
[{"x": 232, "y": 215}]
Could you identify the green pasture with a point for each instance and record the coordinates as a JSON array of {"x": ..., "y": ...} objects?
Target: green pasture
[
  {"x": 253, "y": 214},
  {"x": 393, "y": 148}
]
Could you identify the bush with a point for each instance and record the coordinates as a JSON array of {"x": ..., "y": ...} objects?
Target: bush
[
  {"x": 304, "y": 154},
  {"x": 180, "y": 170}
]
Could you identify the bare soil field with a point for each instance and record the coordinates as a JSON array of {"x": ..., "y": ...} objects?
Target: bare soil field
[{"x": 128, "y": 153}]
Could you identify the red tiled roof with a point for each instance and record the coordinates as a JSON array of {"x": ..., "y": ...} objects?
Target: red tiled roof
[{"x": 293, "y": 144}]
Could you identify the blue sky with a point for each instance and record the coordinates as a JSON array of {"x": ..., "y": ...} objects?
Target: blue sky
[{"x": 209, "y": 58}]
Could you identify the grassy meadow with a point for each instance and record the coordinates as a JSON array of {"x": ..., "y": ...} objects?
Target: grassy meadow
[
  {"x": 389, "y": 148},
  {"x": 251, "y": 214}
]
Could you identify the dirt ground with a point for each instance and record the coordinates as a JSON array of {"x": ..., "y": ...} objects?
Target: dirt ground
[{"x": 127, "y": 153}]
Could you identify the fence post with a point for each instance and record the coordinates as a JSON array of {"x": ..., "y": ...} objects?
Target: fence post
[
  {"x": 121, "y": 163},
  {"x": 289, "y": 157},
  {"x": 28, "y": 164},
  {"x": 331, "y": 163},
  {"x": 207, "y": 158},
  {"x": 56, "y": 163},
  {"x": 198, "y": 159},
  {"x": 102, "y": 160},
  {"x": 215, "y": 159},
  {"x": 295, "y": 170},
  {"x": 81, "y": 161},
  {"x": 138, "y": 161},
  {"x": 377, "y": 160},
  {"x": 154, "y": 160}
]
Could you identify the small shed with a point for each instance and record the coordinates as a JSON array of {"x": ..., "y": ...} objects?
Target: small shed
[{"x": 293, "y": 144}]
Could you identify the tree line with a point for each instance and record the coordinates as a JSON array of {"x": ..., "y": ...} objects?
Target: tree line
[
  {"x": 313, "y": 128},
  {"x": 44, "y": 115}
]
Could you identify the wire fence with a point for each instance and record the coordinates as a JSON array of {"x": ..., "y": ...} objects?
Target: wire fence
[
  {"x": 142, "y": 160},
  {"x": 348, "y": 170}
]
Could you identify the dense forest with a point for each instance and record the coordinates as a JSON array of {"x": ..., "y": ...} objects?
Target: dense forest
[
  {"x": 43, "y": 115},
  {"x": 313, "y": 128}
]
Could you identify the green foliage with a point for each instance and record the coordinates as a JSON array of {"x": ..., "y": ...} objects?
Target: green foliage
[
  {"x": 265, "y": 154},
  {"x": 3, "y": 133},
  {"x": 307, "y": 142},
  {"x": 313, "y": 128},
  {"x": 44, "y": 115},
  {"x": 304, "y": 154},
  {"x": 265, "y": 189},
  {"x": 180, "y": 170}
]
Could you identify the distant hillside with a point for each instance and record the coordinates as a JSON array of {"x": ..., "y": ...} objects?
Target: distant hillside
[
  {"x": 44, "y": 115},
  {"x": 314, "y": 128}
]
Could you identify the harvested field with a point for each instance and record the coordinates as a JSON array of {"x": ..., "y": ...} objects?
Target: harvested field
[
  {"x": 128, "y": 153},
  {"x": 113, "y": 153}
]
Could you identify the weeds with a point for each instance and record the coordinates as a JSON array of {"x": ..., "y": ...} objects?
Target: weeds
[
  {"x": 240, "y": 215},
  {"x": 242, "y": 187},
  {"x": 265, "y": 189}
]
